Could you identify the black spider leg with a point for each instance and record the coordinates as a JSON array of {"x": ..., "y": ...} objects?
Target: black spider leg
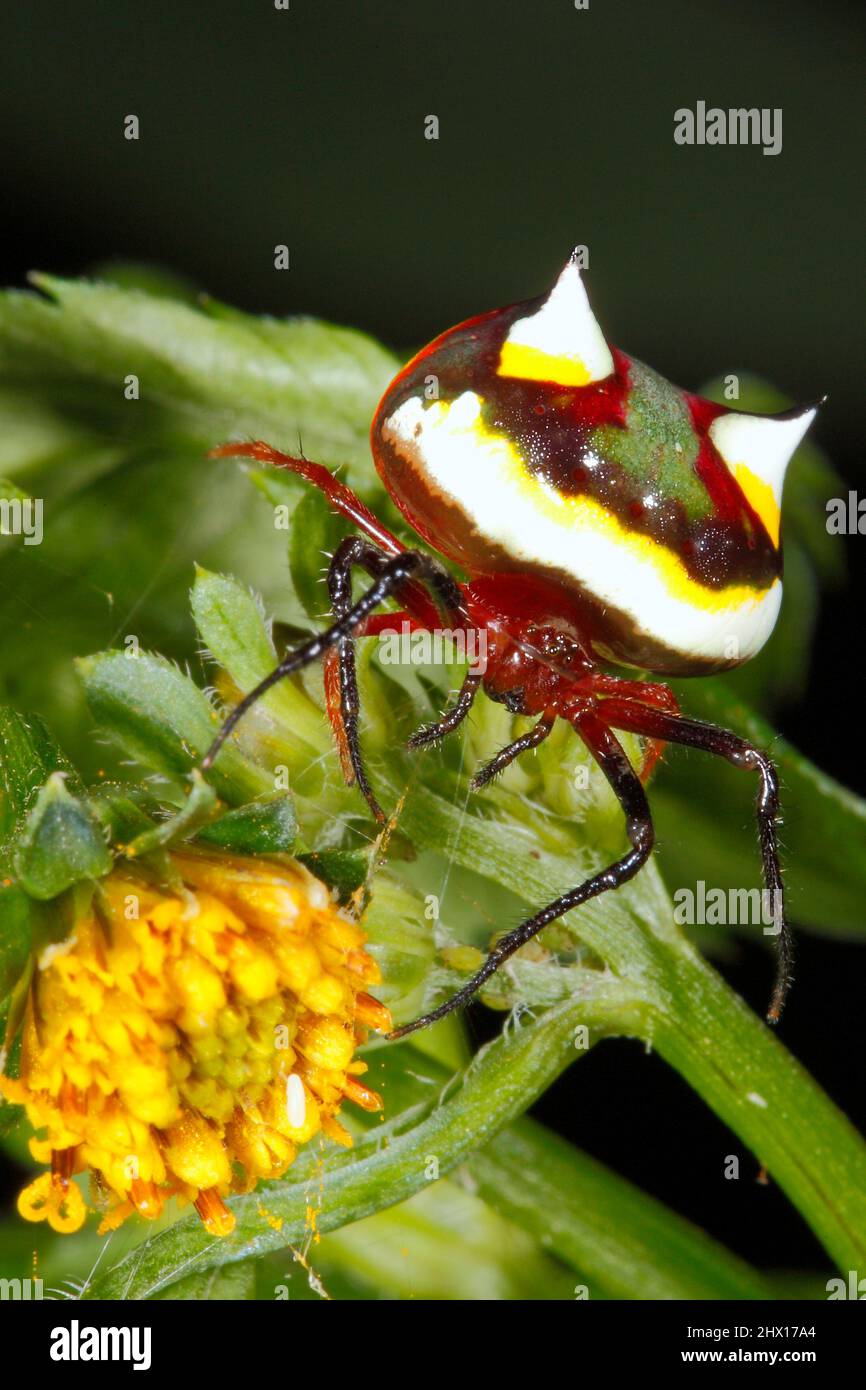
[
  {"x": 393, "y": 573},
  {"x": 453, "y": 717},
  {"x": 694, "y": 733},
  {"x": 352, "y": 551},
  {"x": 611, "y": 758},
  {"x": 355, "y": 550},
  {"x": 531, "y": 739}
]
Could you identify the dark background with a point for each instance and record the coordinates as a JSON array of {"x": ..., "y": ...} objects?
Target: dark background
[{"x": 306, "y": 127}]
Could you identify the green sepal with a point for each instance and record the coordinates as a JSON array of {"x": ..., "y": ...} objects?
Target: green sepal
[
  {"x": 269, "y": 826},
  {"x": 62, "y": 843},
  {"x": 116, "y": 807},
  {"x": 344, "y": 871},
  {"x": 196, "y": 810},
  {"x": 163, "y": 720},
  {"x": 10, "y": 1115}
]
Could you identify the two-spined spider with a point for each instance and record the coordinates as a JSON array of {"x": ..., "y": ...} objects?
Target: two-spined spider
[{"x": 602, "y": 515}]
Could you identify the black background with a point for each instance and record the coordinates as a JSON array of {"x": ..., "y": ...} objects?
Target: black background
[{"x": 306, "y": 127}]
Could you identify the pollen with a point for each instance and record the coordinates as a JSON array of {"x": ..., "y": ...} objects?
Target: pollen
[{"x": 187, "y": 1049}]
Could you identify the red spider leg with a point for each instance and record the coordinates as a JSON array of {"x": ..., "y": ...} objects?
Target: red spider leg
[
  {"x": 347, "y": 504},
  {"x": 331, "y": 677},
  {"x": 646, "y": 693},
  {"x": 624, "y": 714},
  {"x": 343, "y": 501},
  {"x": 373, "y": 626},
  {"x": 653, "y": 750},
  {"x": 341, "y": 498}
]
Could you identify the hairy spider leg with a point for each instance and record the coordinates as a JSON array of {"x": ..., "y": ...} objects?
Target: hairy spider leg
[
  {"x": 453, "y": 716},
  {"x": 395, "y": 571},
  {"x": 351, "y": 552},
  {"x": 531, "y": 739},
  {"x": 646, "y": 693},
  {"x": 341, "y": 497},
  {"x": 624, "y": 714},
  {"x": 611, "y": 758},
  {"x": 338, "y": 682}
]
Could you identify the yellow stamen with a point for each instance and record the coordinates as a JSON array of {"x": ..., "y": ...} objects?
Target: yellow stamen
[{"x": 188, "y": 1054}]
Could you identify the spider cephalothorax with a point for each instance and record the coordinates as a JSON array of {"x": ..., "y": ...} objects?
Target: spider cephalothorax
[{"x": 601, "y": 514}]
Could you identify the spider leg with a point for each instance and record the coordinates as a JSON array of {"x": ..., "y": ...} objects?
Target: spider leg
[
  {"x": 394, "y": 571},
  {"x": 352, "y": 551},
  {"x": 531, "y": 739},
  {"x": 341, "y": 498},
  {"x": 453, "y": 717},
  {"x": 645, "y": 693},
  {"x": 712, "y": 739},
  {"x": 611, "y": 758}
]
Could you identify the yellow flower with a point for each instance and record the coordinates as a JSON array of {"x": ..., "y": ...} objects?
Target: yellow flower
[{"x": 187, "y": 1049}]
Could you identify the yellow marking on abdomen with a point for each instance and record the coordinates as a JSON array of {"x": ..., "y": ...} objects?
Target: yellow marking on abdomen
[
  {"x": 531, "y": 364},
  {"x": 761, "y": 498},
  {"x": 573, "y": 514}
]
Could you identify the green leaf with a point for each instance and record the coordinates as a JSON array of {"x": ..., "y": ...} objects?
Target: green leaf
[
  {"x": 232, "y": 626},
  {"x": 117, "y": 808},
  {"x": 203, "y": 371},
  {"x": 233, "y": 1283},
  {"x": 444, "y": 1243},
  {"x": 162, "y": 720},
  {"x": 342, "y": 870},
  {"x": 28, "y": 757},
  {"x": 62, "y": 843},
  {"x": 16, "y": 935},
  {"x": 134, "y": 471},
  {"x": 315, "y": 533},
  {"x": 732, "y": 1059}
]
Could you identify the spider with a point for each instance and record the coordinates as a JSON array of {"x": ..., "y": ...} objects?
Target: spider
[{"x": 602, "y": 516}]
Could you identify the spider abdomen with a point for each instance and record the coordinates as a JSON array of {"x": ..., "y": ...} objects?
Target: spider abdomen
[{"x": 520, "y": 442}]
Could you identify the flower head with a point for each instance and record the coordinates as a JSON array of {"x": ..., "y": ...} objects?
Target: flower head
[{"x": 183, "y": 1043}]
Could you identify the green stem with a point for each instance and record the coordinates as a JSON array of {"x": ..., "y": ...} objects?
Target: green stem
[{"x": 741, "y": 1069}]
